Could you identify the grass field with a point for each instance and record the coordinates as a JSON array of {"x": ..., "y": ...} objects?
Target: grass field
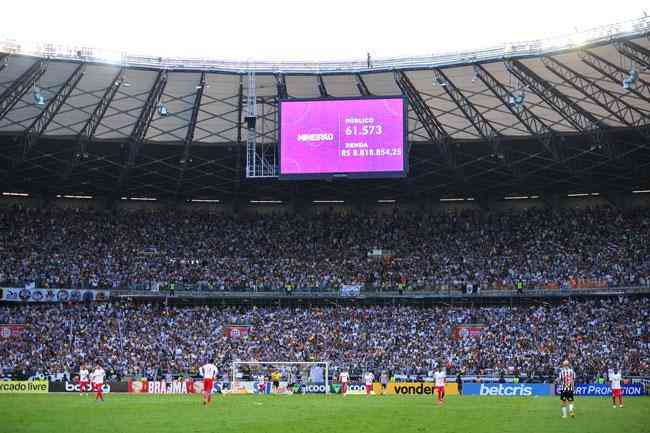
[{"x": 123, "y": 413}]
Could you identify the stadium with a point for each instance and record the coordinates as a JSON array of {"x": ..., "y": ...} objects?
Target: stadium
[{"x": 451, "y": 242}]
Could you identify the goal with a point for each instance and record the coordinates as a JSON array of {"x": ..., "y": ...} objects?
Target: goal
[{"x": 294, "y": 376}]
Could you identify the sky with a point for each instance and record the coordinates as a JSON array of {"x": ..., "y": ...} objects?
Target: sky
[{"x": 302, "y": 30}]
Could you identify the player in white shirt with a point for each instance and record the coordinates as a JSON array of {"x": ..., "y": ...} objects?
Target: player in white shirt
[
  {"x": 98, "y": 376},
  {"x": 209, "y": 373},
  {"x": 439, "y": 377},
  {"x": 368, "y": 378},
  {"x": 615, "y": 379},
  {"x": 84, "y": 374},
  {"x": 344, "y": 378}
]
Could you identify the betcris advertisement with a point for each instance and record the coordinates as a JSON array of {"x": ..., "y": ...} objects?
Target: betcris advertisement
[
  {"x": 507, "y": 389},
  {"x": 603, "y": 390}
]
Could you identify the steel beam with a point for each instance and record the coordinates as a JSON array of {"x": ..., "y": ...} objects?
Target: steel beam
[
  {"x": 634, "y": 52},
  {"x": 139, "y": 131},
  {"x": 361, "y": 85},
  {"x": 39, "y": 125},
  {"x": 440, "y": 138},
  {"x": 321, "y": 88},
  {"x": 189, "y": 136},
  {"x": 20, "y": 86},
  {"x": 533, "y": 124},
  {"x": 240, "y": 126},
  {"x": 615, "y": 73},
  {"x": 619, "y": 109},
  {"x": 3, "y": 61},
  {"x": 88, "y": 131},
  {"x": 281, "y": 85},
  {"x": 580, "y": 119},
  {"x": 480, "y": 124}
]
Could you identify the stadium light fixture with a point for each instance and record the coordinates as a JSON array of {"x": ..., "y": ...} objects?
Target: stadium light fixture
[
  {"x": 439, "y": 81},
  {"x": 517, "y": 101},
  {"x": 204, "y": 200},
  {"x": 454, "y": 199},
  {"x": 386, "y": 201},
  {"x": 641, "y": 191},
  {"x": 584, "y": 194},
  {"x": 39, "y": 99},
  {"x": 632, "y": 78},
  {"x": 139, "y": 198},
  {"x": 15, "y": 194},
  {"x": 266, "y": 201},
  {"x": 328, "y": 201},
  {"x": 516, "y": 197},
  {"x": 162, "y": 110}
]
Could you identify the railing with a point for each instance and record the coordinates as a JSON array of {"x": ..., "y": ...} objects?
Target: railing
[
  {"x": 623, "y": 30},
  {"x": 327, "y": 294}
]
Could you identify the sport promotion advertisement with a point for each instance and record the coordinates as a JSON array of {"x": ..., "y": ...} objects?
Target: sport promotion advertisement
[{"x": 343, "y": 137}]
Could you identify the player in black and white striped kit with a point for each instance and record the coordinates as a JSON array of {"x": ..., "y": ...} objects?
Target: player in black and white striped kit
[{"x": 567, "y": 382}]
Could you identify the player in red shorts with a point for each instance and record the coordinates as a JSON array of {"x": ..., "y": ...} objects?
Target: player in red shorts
[
  {"x": 440, "y": 376},
  {"x": 369, "y": 377},
  {"x": 98, "y": 382},
  {"x": 209, "y": 373},
  {"x": 84, "y": 384},
  {"x": 344, "y": 378},
  {"x": 615, "y": 379}
]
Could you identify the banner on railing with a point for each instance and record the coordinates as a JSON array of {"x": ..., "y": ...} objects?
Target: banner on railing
[
  {"x": 469, "y": 330},
  {"x": 11, "y": 330},
  {"x": 235, "y": 332},
  {"x": 350, "y": 290},
  {"x": 25, "y": 294}
]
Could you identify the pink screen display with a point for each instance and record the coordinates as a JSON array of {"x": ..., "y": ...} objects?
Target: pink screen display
[{"x": 342, "y": 136}]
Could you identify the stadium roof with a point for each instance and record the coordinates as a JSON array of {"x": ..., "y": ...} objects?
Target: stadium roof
[{"x": 539, "y": 116}]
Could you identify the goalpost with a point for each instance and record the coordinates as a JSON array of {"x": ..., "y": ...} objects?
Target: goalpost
[{"x": 303, "y": 373}]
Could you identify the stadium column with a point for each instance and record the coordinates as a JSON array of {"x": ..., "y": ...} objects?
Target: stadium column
[
  {"x": 486, "y": 202},
  {"x": 238, "y": 205},
  {"x": 618, "y": 199},
  {"x": 552, "y": 199},
  {"x": 299, "y": 205}
]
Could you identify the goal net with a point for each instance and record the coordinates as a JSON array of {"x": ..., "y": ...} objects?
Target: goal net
[{"x": 252, "y": 377}]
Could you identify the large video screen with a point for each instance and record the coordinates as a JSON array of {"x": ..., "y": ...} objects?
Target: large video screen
[{"x": 343, "y": 137}]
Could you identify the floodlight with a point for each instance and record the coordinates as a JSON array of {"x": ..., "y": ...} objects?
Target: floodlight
[
  {"x": 39, "y": 99},
  {"x": 632, "y": 77}
]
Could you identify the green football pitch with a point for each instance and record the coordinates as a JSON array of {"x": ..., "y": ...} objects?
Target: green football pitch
[{"x": 123, "y": 413}]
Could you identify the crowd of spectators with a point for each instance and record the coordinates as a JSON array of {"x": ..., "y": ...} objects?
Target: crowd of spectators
[
  {"x": 468, "y": 250},
  {"x": 153, "y": 339}
]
